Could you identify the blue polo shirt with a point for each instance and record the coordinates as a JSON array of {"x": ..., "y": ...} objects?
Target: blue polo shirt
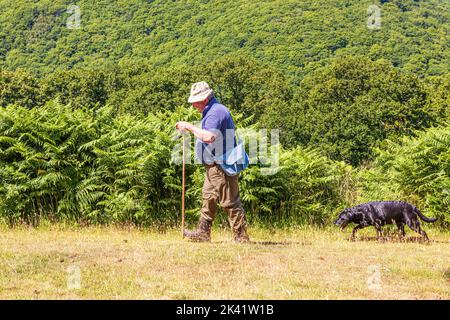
[{"x": 217, "y": 119}]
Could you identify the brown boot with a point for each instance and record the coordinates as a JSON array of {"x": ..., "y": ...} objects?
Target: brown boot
[
  {"x": 240, "y": 235},
  {"x": 203, "y": 232}
]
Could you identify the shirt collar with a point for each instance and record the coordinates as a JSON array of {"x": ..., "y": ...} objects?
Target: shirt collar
[{"x": 208, "y": 106}]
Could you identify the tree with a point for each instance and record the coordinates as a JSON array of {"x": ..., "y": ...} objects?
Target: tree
[
  {"x": 19, "y": 87},
  {"x": 347, "y": 107},
  {"x": 83, "y": 87},
  {"x": 245, "y": 85},
  {"x": 438, "y": 102}
]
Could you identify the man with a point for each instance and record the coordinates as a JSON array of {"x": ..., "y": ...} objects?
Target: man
[{"x": 214, "y": 139}]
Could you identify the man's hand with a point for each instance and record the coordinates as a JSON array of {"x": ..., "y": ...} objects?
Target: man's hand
[
  {"x": 183, "y": 126},
  {"x": 204, "y": 135}
]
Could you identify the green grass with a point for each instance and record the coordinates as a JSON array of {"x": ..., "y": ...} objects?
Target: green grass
[{"x": 303, "y": 263}]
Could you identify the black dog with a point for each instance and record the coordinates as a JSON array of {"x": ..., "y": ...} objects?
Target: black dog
[{"x": 378, "y": 214}]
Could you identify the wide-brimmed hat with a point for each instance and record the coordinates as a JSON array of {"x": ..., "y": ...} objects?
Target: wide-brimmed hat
[{"x": 199, "y": 92}]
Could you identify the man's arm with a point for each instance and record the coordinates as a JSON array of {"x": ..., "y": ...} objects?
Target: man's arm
[{"x": 204, "y": 135}]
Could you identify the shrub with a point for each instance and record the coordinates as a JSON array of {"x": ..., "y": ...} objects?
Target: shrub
[
  {"x": 90, "y": 166},
  {"x": 415, "y": 170},
  {"x": 93, "y": 166}
]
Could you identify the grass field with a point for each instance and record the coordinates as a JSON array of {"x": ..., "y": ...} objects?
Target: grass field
[{"x": 112, "y": 263}]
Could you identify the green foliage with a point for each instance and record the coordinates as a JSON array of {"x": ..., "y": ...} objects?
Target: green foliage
[
  {"x": 415, "y": 170},
  {"x": 19, "y": 87},
  {"x": 88, "y": 166},
  {"x": 240, "y": 82},
  {"x": 40, "y": 161},
  {"x": 438, "y": 99},
  {"x": 306, "y": 188},
  {"x": 87, "y": 115},
  {"x": 247, "y": 86},
  {"x": 345, "y": 108},
  {"x": 94, "y": 167},
  {"x": 128, "y": 88},
  {"x": 293, "y": 36},
  {"x": 146, "y": 91},
  {"x": 88, "y": 88},
  {"x": 351, "y": 105}
]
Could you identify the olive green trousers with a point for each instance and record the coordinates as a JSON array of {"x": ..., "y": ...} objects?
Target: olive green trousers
[{"x": 223, "y": 189}]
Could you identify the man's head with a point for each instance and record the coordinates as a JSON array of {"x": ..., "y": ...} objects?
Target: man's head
[{"x": 201, "y": 93}]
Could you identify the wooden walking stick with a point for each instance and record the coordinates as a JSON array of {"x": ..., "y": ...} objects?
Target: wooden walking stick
[{"x": 183, "y": 183}]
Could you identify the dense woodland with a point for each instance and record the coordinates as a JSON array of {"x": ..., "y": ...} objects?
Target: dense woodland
[{"x": 87, "y": 114}]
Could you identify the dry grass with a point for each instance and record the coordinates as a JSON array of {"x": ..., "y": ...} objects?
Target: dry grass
[{"x": 297, "y": 264}]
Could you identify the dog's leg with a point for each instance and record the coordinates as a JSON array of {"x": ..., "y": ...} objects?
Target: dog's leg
[
  {"x": 415, "y": 225},
  {"x": 352, "y": 238},
  {"x": 379, "y": 233},
  {"x": 424, "y": 235},
  {"x": 401, "y": 230}
]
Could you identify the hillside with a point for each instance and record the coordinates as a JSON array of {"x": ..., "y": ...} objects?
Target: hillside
[
  {"x": 90, "y": 92},
  {"x": 293, "y": 36}
]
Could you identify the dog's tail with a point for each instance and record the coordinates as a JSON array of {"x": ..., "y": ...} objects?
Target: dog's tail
[{"x": 420, "y": 214}]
